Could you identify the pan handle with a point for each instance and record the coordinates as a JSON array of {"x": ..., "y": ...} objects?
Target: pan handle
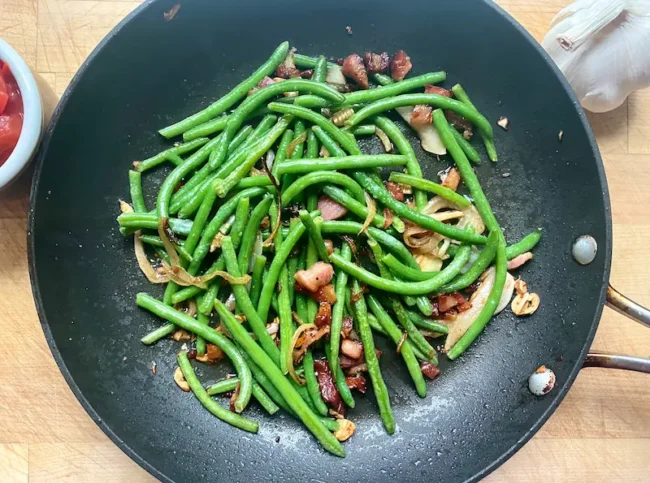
[{"x": 623, "y": 305}]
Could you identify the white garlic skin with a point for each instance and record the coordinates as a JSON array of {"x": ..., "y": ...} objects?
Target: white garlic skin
[{"x": 584, "y": 249}]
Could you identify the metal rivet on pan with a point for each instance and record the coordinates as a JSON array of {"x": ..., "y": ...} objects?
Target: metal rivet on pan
[{"x": 584, "y": 249}]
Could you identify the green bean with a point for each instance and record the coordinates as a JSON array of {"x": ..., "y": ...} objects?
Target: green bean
[
  {"x": 295, "y": 233},
  {"x": 344, "y": 139},
  {"x": 135, "y": 184},
  {"x": 312, "y": 384},
  {"x": 206, "y": 303},
  {"x": 299, "y": 130},
  {"x": 257, "y": 324},
  {"x": 462, "y": 96},
  {"x": 161, "y": 157},
  {"x": 383, "y": 79},
  {"x": 427, "y": 324},
  {"x": 230, "y": 99},
  {"x": 293, "y": 399},
  {"x": 281, "y": 153},
  {"x": 186, "y": 322},
  {"x": 175, "y": 159},
  {"x": 200, "y": 219},
  {"x": 339, "y": 380},
  {"x": 252, "y": 181},
  {"x": 320, "y": 69},
  {"x": 347, "y": 162},
  {"x": 471, "y": 153},
  {"x": 378, "y": 384},
  {"x": 157, "y": 334},
  {"x": 207, "y": 128},
  {"x": 227, "y": 385},
  {"x": 292, "y": 267},
  {"x": 337, "y": 310},
  {"x": 229, "y": 182},
  {"x": 352, "y": 228},
  {"x": 329, "y": 177},
  {"x": 405, "y": 272},
  {"x": 424, "y": 305},
  {"x": 312, "y": 144},
  {"x": 200, "y": 341},
  {"x": 330, "y": 144},
  {"x": 426, "y": 185},
  {"x": 224, "y": 212},
  {"x": 406, "y": 351},
  {"x": 437, "y": 100},
  {"x": 209, "y": 403},
  {"x": 344, "y": 199},
  {"x": 407, "y": 288},
  {"x": 257, "y": 279},
  {"x": 189, "y": 292},
  {"x": 404, "y": 147},
  {"x": 149, "y": 221},
  {"x": 313, "y": 230},
  {"x": 287, "y": 326},
  {"x": 490, "y": 306},
  {"x": 466, "y": 172},
  {"x": 250, "y": 232},
  {"x": 241, "y": 221},
  {"x": 524, "y": 245},
  {"x": 380, "y": 193},
  {"x": 364, "y": 130},
  {"x": 481, "y": 263},
  {"x": 374, "y": 325},
  {"x": 308, "y": 62}
]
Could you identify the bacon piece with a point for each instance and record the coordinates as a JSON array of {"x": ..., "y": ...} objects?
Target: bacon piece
[
  {"x": 354, "y": 69},
  {"x": 519, "y": 260},
  {"x": 352, "y": 348},
  {"x": 441, "y": 91},
  {"x": 330, "y": 209},
  {"x": 446, "y": 302},
  {"x": 327, "y": 386},
  {"x": 323, "y": 316},
  {"x": 421, "y": 115},
  {"x": 346, "y": 362},
  {"x": 318, "y": 275},
  {"x": 400, "y": 65},
  {"x": 394, "y": 190},
  {"x": 451, "y": 179},
  {"x": 322, "y": 295},
  {"x": 356, "y": 382},
  {"x": 376, "y": 63},
  {"x": 287, "y": 69},
  {"x": 459, "y": 123},
  {"x": 429, "y": 370},
  {"x": 346, "y": 327},
  {"x": 266, "y": 81},
  {"x": 306, "y": 74}
]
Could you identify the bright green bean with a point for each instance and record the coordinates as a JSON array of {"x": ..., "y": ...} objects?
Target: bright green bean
[
  {"x": 137, "y": 198},
  {"x": 313, "y": 230},
  {"x": 330, "y": 144},
  {"x": 404, "y": 272},
  {"x": 281, "y": 153},
  {"x": 428, "y": 324},
  {"x": 471, "y": 153},
  {"x": 426, "y": 185},
  {"x": 209, "y": 403},
  {"x": 378, "y": 384},
  {"x": 524, "y": 245},
  {"x": 142, "y": 166},
  {"x": 241, "y": 221},
  {"x": 230, "y": 99},
  {"x": 329, "y": 177},
  {"x": 462, "y": 96},
  {"x": 437, "y": 100},
  {"x": 391, "y": 329},
  {"x": 201, "y": 218},
  {"x": 206, "y": 302},
  {"x": 347, "y": 162},
  {"x": 227, "y": 385},
  {"x": 252, "y": 181},
  {"x": 207, "y": 128},
  {"x": 257, "y": 279},
  {"x": 312, "y": 383},
  {"x": 293, "y": 399},
  {"x": 481, "y": 263},
  {"x": 490, "y": 304},
  {"x": 312, "y": 145},
  {"x": 320, "y": 69},
  {"x": 364, "y": 130},
  {"x": 344, "y": 139},
  {"x": 200, "y": 341},
  {"x": 339, "y": 379},
  {"x": 250, "y": 232},
  {"x": 359, "y": 209}
]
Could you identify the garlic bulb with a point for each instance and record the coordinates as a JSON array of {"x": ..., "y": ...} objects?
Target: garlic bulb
[{"x": 603, "y": 49}]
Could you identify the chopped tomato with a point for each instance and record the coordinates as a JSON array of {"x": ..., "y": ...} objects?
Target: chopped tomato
[{"x": 11, "y": 112}]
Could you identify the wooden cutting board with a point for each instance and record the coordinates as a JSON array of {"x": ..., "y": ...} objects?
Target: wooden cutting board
[{"x": 601, "y": 432}]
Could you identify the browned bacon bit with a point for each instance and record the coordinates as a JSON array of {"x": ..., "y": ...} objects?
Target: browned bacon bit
[
  {"x": 327, "y": 387},
  {"x": 441, "y": 91},
  {"x": 354, "y": 68},
  {"x": 421, "y": 115},
  {"x": 354, "y": 370},
  {"x": 352, "y": 348},
  {"x": 394, "y": 190},
  {"x": 451, "y": 179},
  {"x": 388, "y": 218},
  {"x": 346, "y": 363},
  {"x": 330, "y": 209},
  {"x": 458, "y": 122},
  {"x": 429, "y": 370},
  {"x": 446, "y": 302},
  {"x": 306, "y": 74},
  {"x": 519, "y": 260},
  {"x": 346, "y": 327},
  {"x": 191, "y": 354},
  {"x": 323, "y": 316},
  {"x": 318, "y": 275},
  {"x": 400, "y": 65},
  {"x": 266, "y": 81},
  {"x": 376, "y": 63},
  {"x": 233, "y": 398},
  {"x": 323, "y": 295},
  {"x": 356, "y": 382},
  {"x": 287, "y": 69}
]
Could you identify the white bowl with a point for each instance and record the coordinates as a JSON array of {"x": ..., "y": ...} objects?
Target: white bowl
[{"x": 32, "y": 120}]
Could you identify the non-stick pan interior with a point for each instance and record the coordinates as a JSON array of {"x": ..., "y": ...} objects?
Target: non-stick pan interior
[{"x": 150, "y": 72}]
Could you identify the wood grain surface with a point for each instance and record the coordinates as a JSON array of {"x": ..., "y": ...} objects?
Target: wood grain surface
[{"x": 600, "y": 433}]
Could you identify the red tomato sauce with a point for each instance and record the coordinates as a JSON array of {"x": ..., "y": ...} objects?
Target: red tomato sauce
[{"x": 11, "y": 112}]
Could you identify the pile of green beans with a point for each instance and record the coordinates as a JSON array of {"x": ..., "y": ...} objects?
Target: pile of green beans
[{"x": 264, "y": 185}]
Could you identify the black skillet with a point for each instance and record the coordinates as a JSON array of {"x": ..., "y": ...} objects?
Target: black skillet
[{"x": 149, "y": 72}]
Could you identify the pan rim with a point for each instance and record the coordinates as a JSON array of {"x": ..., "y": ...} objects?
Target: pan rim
[{"x": 123, "y": 445}]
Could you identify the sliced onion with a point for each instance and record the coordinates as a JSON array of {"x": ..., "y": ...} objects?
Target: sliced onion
[
  {"x": 478, "y": 299},
  {"x": 372, "y": 211},
  {"x": 470, "y": 218},
  {"x": 429, "y": 137},
  {"x": 335, "y": 75},
  {"x": 145, "y": 265},
  {"x": 473, "y": 255},
  {"x": 292, "y": 344},
  {"x": 428, "y": 262},
  {"x": 270, "y": 159},
  {"x": 293, "y": 144},
  {"x": 179, "y": 275},
  {"x": 383, "y": 137},
  {"x": 230, "y": 302}
]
